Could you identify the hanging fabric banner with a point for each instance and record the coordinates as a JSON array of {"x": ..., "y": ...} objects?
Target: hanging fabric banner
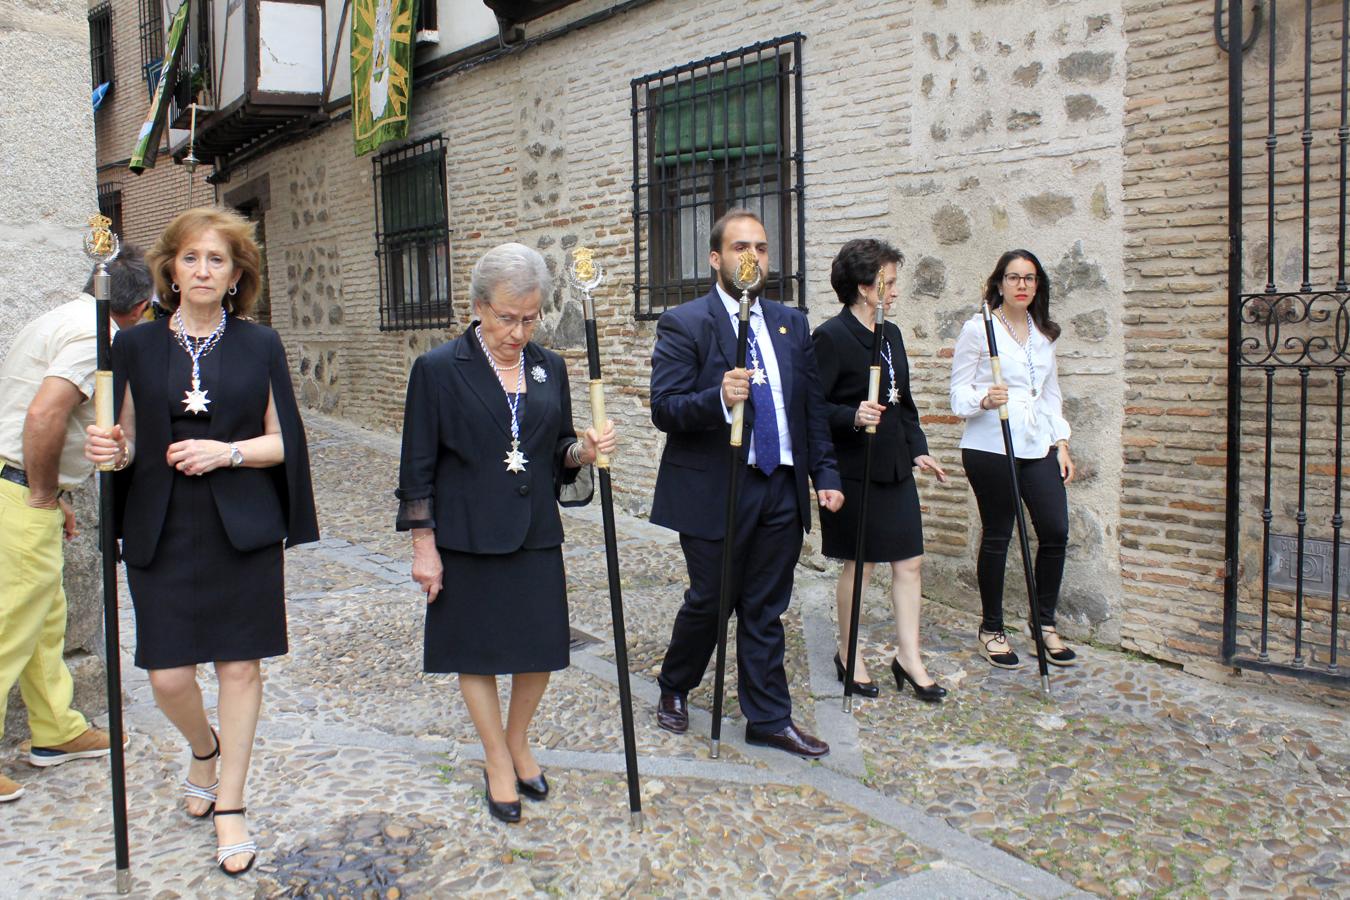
[
  {"x": 147, "y": 142},
  {"x": 382, "y": 51}
]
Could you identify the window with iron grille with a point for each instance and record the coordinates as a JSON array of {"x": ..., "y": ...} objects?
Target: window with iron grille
[
  {"x": 110, "y": 204},
  {"x": 412, "y": 236},
  {"x": 152, "y": 37},
  {"x": 101, "y": 44},
  {"x": 710, "y": 136}
]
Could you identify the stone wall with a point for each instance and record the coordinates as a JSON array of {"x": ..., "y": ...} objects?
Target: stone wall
[
  {"x": 1091, "y": 132},
  {"x": 46, "y": 198}
]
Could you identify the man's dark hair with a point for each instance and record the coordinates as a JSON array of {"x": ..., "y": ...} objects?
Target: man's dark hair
[
  {"x": 857, "y": 263},
  {"x": 715, "y": 236},
  {"x": 129, "y": 280}
]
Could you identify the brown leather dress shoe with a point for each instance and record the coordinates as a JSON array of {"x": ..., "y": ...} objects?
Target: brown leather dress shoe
[
  {"x": 789, "y": 740},
  {"x": 672, "y": 713}
]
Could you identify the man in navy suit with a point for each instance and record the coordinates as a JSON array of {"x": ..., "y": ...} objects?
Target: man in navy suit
[{"x": 694, "y": 386}]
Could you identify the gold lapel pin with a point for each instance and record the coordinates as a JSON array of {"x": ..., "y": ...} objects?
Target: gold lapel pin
[{"x": 782, "y": 329}]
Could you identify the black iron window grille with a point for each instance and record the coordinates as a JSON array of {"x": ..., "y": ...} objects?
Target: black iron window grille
[
  {"x": 412, "y": 236},
  {"x": 151, "y": 35},
  {"x": 709, "y": 136},
  {"x": 101, "y": 44},
  {"x": 110, "y": 203}
]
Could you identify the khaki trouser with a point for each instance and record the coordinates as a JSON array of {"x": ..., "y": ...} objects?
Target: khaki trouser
[{"x": 33, "y": 618}]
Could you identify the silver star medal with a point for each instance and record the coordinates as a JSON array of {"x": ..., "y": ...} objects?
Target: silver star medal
[
  {"x": 195, "y": 400},
  {"x": 515, "y": 459},
  {"x": 894, "y": 395},
  {"x": 538, "y": 374},
  {"x": 757, "y": 376}
]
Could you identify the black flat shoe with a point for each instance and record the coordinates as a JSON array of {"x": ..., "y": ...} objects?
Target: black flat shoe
[
  {"x": 861, "y": 688},
  {"x": 535, "y": 788},
  {"x": 502, "y": 812},
  {"x": 928, "y": 693}
]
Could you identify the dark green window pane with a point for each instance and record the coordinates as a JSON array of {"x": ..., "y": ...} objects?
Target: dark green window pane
[{"x": 721, "y": 116}]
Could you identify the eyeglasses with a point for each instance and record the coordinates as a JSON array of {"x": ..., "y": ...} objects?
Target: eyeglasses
[
  {"x": 510, "y": 322},
  {"x": 1014, "y": 278}
]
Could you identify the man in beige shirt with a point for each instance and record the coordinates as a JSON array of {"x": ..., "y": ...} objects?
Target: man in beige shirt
[{"x": 46, "y": 401}]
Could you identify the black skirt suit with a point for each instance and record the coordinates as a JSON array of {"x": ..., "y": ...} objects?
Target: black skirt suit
[
  {"x": 503, "y": 607},
  {"x": 204, "y": 552},
  {"x": 894, "y": 523}
]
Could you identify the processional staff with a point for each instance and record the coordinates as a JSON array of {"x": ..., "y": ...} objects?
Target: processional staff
[
  {"x": 748, "y": 277},
  {"x": 102, "y": 246},
  {"x": 585, "y": 275},
  {"x": 873, "y": 395},
  {"x": 1033, "y": 604}
]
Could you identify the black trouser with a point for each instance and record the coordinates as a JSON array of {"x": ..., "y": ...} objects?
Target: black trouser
[
  {"x": 768, "y": 543},
  {"x": 1043, "y": 494}
]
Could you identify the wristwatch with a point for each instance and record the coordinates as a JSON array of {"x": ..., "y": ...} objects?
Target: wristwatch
[{"x": 236, "y": 458}]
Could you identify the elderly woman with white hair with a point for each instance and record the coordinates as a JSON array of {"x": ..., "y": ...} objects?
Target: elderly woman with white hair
[{"x": 489, "y": 451}]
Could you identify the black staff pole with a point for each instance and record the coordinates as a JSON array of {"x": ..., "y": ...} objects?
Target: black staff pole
[
  {"x": 1033, "y": 603},
  {"x": 103, "y": 246},
  {"x": 747, "y": 277},
  {"x": 586, "y": 276},
  {"x": 873, "y": 394}
]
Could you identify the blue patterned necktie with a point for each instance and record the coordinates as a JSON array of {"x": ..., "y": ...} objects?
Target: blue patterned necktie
[{"x": 767, "y": 455}]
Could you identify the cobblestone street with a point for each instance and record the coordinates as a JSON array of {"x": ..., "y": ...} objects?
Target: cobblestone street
[{"x": 1134, "y": 779}]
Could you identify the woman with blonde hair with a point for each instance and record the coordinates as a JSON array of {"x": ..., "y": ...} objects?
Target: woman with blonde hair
[{"x": 213, "y": 480}]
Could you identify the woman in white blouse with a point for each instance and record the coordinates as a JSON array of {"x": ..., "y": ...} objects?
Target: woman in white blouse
[{"x": 1018, "y": 292}]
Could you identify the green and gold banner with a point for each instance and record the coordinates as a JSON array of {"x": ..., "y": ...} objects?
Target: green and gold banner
[
  {"x": 147, "y": 141},
  {"x": 382, "y": 51}
]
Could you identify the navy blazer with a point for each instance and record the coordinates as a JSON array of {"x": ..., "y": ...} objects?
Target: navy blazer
[
  {"x": 695, "y": 347},
  {"x": 257, "y": 507},
  {"x": 456, "y": 432},
  {"x": 844, "y": 354}
]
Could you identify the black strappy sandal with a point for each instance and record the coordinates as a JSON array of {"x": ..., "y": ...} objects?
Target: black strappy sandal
[
  {"x": 224, "y": 853},
  {"x": 196, "y": 791}
]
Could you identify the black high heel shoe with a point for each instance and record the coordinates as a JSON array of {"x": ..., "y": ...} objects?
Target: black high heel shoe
[
  {"x": 928, "y": 693},
  {"x": 861, "y": 688},
  {"x": 502, "y": 812},
  {"x": 535, "y": 788}
]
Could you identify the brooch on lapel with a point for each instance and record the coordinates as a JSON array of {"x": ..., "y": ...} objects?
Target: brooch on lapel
[
  {"x": 538, "y": 374},
  {"x": 782, "y": 329}
]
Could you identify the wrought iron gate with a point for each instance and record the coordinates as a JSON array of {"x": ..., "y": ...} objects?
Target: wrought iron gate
[{"x": 1288, "y": 337}]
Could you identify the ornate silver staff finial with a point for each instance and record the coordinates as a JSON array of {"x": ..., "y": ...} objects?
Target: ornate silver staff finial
[
  {"x": 585, "y": 275},
  {"x": 748, "y": 273}
]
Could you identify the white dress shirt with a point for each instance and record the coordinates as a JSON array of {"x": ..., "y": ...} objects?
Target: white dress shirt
[
  {"x": 769, "y": 359},
  {"x": 1035, "y": 405}
]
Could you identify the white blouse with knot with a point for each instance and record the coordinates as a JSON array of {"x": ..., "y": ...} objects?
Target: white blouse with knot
[{"x": 1035, "y": 404}]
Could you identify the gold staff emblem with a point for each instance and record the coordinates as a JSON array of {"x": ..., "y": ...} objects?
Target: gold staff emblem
[{"x": 100, "y": 244}]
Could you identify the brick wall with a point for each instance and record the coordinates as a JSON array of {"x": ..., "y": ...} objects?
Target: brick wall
[
  {"x": 1092, "y": 133},
  {"x": 151, "y": 199}
]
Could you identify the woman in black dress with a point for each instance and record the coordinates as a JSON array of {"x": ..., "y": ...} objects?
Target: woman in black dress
[
  {"x": 489, "y": 450},
  {"x": 894, "y": 525},
  {"x": 213, "y": 479}
]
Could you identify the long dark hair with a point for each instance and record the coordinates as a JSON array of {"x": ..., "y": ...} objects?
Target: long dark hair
[{"x": 1040, "y": 303}]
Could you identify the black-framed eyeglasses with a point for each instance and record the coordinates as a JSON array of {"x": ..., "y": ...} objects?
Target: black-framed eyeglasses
[{"x": 1014, "y": 278}]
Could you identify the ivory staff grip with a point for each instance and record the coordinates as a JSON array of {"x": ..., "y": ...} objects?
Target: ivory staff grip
[
  {"x": 598, "y": 417},
  {"x": 103, "y": 406},
  {"x": 873, "y": 391},
  {"x": 737, "y": 422},
  {"x": 997, "y": 366}
]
